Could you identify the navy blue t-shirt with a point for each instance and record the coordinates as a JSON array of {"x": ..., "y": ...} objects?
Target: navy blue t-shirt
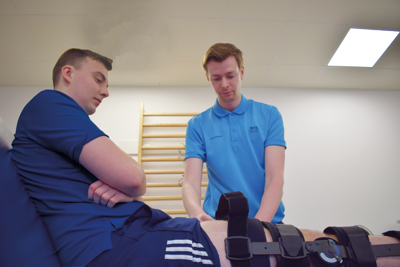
[{"x": 51, "y": 132}]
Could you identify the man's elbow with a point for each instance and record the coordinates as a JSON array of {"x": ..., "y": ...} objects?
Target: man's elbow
[
  {"x": 140, "y": 190},
  {"x": 137, "y": 184}
]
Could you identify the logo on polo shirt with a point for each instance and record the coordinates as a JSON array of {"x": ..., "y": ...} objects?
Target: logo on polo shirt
[
  {"x": 253, "y": 129},
  {"x": 215, "y": 137}
]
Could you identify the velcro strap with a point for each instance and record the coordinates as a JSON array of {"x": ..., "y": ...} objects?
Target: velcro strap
[
  {"x": 361, "y": 246},
  {"x": 357, "y": 240},
  {"x": 229, "y": 200},
  {"x": 291, "y": 242},
  {"x": 343, "y": 240},
  {"x": 234, "y": 207}
]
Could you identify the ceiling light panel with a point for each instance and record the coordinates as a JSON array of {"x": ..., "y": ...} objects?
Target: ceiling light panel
[{"x": 362, "y": 47}]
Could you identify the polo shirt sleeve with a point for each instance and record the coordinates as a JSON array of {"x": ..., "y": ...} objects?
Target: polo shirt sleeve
[
  {"x": 194, "y": 144},
  {"x": 58, "y": 123},
  {"x": 276, "y": 131}
]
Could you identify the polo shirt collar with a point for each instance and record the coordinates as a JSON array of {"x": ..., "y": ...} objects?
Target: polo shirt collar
[{"x": 220, "y": 112}]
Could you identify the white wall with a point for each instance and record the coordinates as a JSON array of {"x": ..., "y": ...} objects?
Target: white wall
[{"x": 343, "y": 156}]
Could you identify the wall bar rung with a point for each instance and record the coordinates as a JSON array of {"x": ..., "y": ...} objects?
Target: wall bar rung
[
  {"x": 164, "y": 135},
  {"x": 155, "y": 198},
  {"x": 167, "y": 171},
  {"x": 162, "y": 147},
  {"x": 164, "y": 124},
  {"x": 170, "y": 184},
  {"x": 170, "y": 114},
  {"x": 162, "y": 159},
  {"x": 170, "y": 212}
]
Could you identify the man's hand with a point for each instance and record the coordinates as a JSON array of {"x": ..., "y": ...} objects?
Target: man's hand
[{"x": 104, "y": 194}]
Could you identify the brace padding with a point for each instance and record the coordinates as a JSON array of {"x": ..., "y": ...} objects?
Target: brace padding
[{"x": 256, "y": 233}]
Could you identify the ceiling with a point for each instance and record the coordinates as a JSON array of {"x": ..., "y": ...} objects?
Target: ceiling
[{"x": 160, "y": 43}]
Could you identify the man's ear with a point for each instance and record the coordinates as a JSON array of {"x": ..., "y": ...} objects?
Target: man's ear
[
  {"x": 208, "y": 79},
  {"x": 66, "y": 73},
  {"x": 242, "y": 73}
]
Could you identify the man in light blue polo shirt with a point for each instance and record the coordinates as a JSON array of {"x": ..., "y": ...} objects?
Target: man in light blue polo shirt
[{"x": 241, "y": 141}]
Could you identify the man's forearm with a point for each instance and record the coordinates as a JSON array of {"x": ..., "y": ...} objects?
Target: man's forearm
[
  {"x": 191, "y": 189},
  {"x": 191, "y": 200},
  {"x": 113, "y": 166},
  {"x": 270, "y": 201}
]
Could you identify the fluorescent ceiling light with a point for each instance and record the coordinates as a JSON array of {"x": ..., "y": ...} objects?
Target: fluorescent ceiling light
[{"x": 362, "y": 47}]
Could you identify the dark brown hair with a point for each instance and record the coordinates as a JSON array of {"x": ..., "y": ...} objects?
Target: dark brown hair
[{"x": 74, "y": 57}]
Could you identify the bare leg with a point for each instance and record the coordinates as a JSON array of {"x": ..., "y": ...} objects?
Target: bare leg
[
  {"x": 217, "y": 231},
  {"x": 385, "y": 261}
]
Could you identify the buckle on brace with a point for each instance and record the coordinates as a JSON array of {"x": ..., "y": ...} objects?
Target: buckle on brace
[
  {"x": 297, "y": 252},
  {"x": 238, "y": 248}
]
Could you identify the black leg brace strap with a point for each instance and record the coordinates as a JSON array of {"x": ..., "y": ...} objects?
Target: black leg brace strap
[
  {"x": 246, "y": 238},
  {"x": 246, "y": 243},
  {"x": 234, "y": 208}
]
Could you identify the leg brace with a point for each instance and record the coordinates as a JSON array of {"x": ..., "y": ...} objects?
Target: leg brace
[{"x": 246, "y": 243}]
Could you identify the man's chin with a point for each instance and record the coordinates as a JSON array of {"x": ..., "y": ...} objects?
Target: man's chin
[
  {"x": 228, "y": 97},
  {"x": 91, "y": 111}
]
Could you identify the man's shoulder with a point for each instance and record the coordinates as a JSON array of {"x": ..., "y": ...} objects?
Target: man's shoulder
[
  {"x": 51, "y": 93},
  {"x": 50, "y": 108},
  {"x": 48, "y": 96},
  {"x": 202, "y": 115},
  {"x": 258, "y": 103},
  {"x": 260, "y": 106}
]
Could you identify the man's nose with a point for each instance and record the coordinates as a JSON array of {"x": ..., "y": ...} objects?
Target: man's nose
[
  {"x": 224, "y": 83},
  {"x": 104, "y": 92}
]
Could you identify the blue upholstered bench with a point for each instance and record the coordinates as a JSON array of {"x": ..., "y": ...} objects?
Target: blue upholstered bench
[{"x": 24, "y": 240}]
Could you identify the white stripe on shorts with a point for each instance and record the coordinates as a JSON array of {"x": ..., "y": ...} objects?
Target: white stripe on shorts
[{"x": 191, "y": 252}]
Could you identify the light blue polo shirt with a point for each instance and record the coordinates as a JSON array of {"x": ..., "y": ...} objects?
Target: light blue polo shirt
[{"x": 233, "y": 146}]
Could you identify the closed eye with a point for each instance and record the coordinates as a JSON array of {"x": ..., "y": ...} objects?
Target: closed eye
[{"x": 99, "y": 77}]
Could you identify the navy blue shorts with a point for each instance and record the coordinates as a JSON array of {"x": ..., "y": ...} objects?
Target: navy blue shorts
[{"x": 150, "y": 237}]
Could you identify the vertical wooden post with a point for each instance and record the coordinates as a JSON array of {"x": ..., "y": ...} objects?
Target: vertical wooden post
[{"x": 141, "y": 133}]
